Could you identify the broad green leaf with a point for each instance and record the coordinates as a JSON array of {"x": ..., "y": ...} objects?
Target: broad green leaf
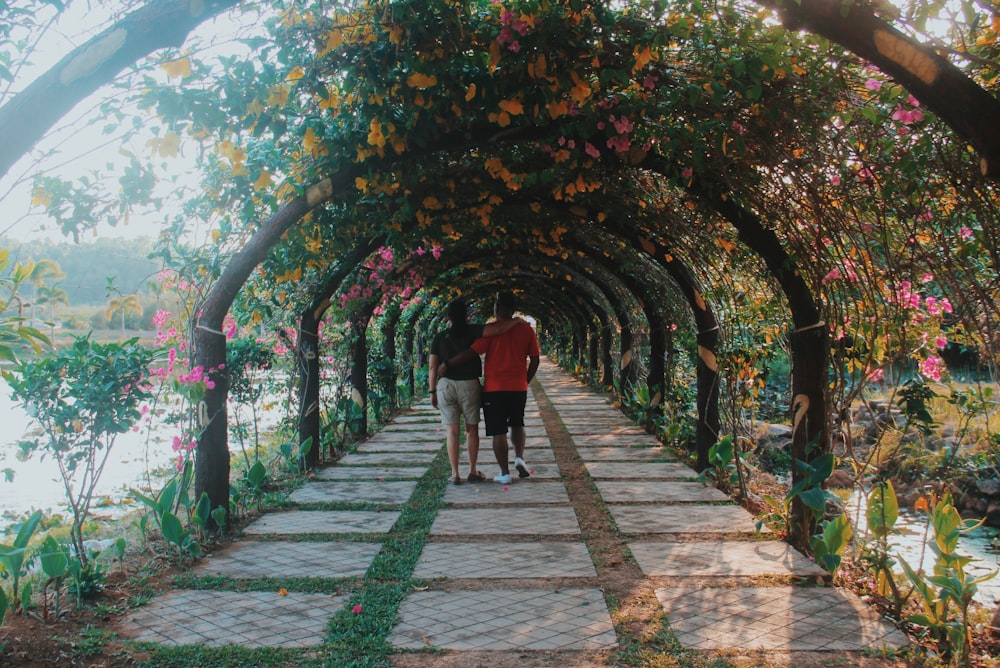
[{"x": 883, "y": 509}]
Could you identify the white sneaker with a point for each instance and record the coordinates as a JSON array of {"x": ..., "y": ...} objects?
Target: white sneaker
[
  {"x": 503, "y": 479},
  {"x": 522, "y": 468}
]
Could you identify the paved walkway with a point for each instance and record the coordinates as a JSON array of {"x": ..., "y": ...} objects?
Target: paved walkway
[{"x": 607, "y": 543}]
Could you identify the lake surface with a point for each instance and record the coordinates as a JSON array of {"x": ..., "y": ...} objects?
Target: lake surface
[
  {"x": 908, "y": 541},
  {"x": 37, "y": 483}
]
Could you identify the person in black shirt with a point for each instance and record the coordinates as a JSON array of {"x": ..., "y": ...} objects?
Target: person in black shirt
[{"x": 457, "y": 393}]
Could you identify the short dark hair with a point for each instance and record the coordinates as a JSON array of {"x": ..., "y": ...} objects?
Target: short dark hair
[
  {"x": 458, "y": 312},
  {"x": 507, "y": 299}
]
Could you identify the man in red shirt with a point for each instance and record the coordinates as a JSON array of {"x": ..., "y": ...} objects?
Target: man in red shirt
[{"x": 505, "y": 386}]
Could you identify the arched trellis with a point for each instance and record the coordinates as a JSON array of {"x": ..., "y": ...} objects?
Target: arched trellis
[{"x": 208, "y": 328}]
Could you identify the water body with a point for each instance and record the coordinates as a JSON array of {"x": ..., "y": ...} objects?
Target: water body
[
  {"x": 909, "y": 542},
  {"x": 135, "y": 457}
]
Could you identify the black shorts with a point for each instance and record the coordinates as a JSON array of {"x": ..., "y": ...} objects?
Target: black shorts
[{"x": 502, "y": 410}]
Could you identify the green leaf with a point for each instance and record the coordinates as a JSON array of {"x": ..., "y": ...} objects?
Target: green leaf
[
  {"x": 202, "y": 511},
  {"x": 257, "y": 474},
  {"x": 54, "y": 558},
  {"x": 883, "y": 509},
  {"x": 815, "y": 498},
  {"x": 173, "y": 530},
  {"x": 3, "y": 605}
]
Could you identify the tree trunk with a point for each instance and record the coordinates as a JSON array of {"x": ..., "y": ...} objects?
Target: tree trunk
[
  {"x": 307, "y": 358},
  {"x": 26, "y": 118},
  {"x": 358, "y": 428},
  {"x": 608, "y": 362},
  {"x": 212, "y": 454},
  {"x": 969, "y": 110}
]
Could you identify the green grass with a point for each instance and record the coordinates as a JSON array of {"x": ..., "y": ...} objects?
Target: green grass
[{"x": 354, "y": 639}]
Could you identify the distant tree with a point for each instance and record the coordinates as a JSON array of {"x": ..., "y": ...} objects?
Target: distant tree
[
  {"x": 125, "y": 305},
  {"x": 15, "y": 335},
  {"x": 39, "y": 274},
  {"x": 52, "y": 295}
]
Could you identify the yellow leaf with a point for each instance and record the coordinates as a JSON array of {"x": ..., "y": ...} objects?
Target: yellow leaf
[
  {"x": 642, "y": 58},
  {"x": 375, "y": 136},
  {"x": 263, "y": 181},
  {"x": 255, "y": 108},
  {"x": 396, "y": 34},
  {"x": 278, "y": 96},
  {"x": 297, "y": 73},
  {"x": 470, "y": 93},
  {"x": 419, "y": 80},
  {"x": 360, "y": 183},
  {"x": 494, "y": 55},
  {"x": 512, "y": 107},
  {"x": 725, "y": 244},
  {"x": 177, "y": 68},
  {"x": 333, "y": 39},
  {"x": 502, "y": 119},
  {"x": 282, "y": 592},
  {"x": 311, "y": 142},
  {"x": 557, "y": 109}
]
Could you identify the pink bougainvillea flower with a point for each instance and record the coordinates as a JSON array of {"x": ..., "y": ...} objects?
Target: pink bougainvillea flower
[
  {"x": 832, "y": 275},
  {"x": 941, "y": 342},
  {"x": 873, "y": 84},
  {"x": 591, "y": 150},
  {"x": 965, "y": 233},
  {"x": 835, "y": 180},
  {"x": 356, "y": 609},
  {"x": 932, "y": 367}
]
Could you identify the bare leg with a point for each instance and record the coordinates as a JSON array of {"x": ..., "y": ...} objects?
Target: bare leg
[
  {"x": 472, "y": 443},
  {"x": 500, "y": 451},
  {"x": 452, "y": 442},
  {"x": 518, "y": 436}
]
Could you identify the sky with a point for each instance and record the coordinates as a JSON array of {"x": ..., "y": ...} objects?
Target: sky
[{"x": 75, "y": 147}]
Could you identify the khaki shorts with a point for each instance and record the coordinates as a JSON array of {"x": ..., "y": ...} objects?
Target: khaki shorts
[{"x": 457, "y": 398}]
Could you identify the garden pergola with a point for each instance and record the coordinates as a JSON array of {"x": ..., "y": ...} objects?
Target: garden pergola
[{"x": 635, "y": 169}]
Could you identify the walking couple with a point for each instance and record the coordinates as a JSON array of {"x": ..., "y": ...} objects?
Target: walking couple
[{"x": 455, "y": 390}]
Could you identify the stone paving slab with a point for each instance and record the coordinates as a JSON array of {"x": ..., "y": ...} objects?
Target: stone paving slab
[
  {"x": 552, "y": 520},
  {"x": 431, "y": 433},
  {"x": 614, "y": 440},
  {"x": 641, "y": 470},
  {"x": 594, "y": 421},
  {"x": 408, "y": 427},
  {"x": 517, "y": 620},
  {"x": 218, "y": 618},
  {"x": 323, "y": 521},
  {"x": 686, "y": 518},
  {"x": 546, "y": 470},
  {"x": 625, "y": 454},
  {"x": 775, "y": 618},
  {"x": 298, "y": 559},
  {"x": 644, "y": 491},
  {"x": 376, "y": 458},
  {"x": 585, "y": 430},
  {"x": 401, "y": 446},
  {"x": 526, "y": 491},
  {"x": 504, "y": 561},
  {"x": 366, "y": 491},
  {"x": 370, "y": 472},
  {"x": 423, "y": 417},
  {"x": 723, "y": 558}
]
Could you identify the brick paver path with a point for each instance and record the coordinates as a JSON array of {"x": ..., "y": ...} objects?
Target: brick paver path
[{"x": 509, "y": 569}]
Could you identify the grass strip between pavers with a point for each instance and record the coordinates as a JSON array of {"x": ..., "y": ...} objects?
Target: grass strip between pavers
[
  {"x": 358, "y": 639},
  {"x": 355, "y": 639}
]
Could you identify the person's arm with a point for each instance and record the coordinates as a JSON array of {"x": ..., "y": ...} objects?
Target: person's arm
[
  {"x": 532, "y": 366},
  {"x": 498, "y": 327},
  {"x": 466, "y": 355},
  {"x": 432, "y": 376}
]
